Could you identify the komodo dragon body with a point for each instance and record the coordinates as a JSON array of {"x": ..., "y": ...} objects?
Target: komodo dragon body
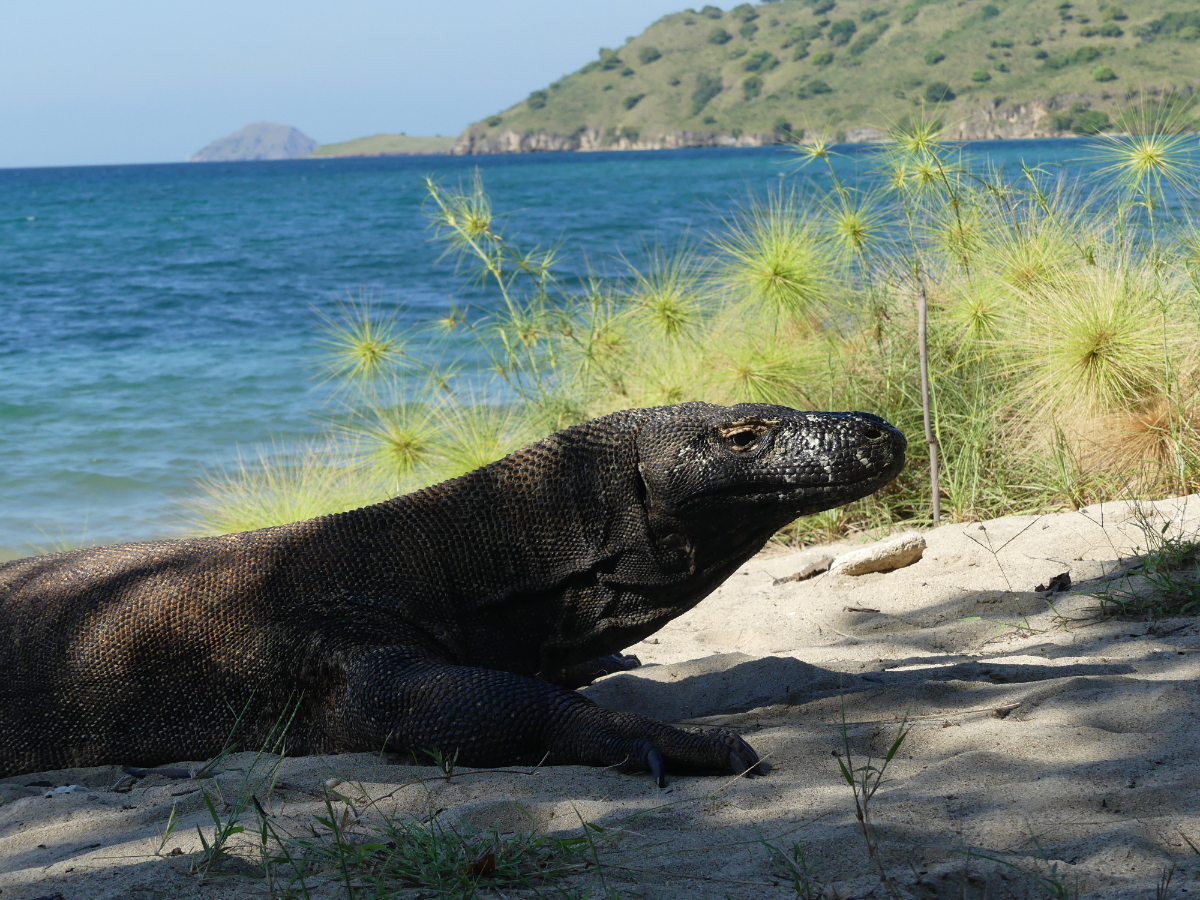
[{"x": 456, "y": 618}]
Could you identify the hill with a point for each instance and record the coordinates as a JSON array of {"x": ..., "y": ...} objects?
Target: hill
[
  {"x": 387, "y": 145},
  {"x": 258, "y": 140},
  {"x": 755, "y": 74}
]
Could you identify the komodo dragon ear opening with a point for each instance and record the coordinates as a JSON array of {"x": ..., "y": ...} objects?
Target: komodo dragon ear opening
[{"x": 742, "y": 434}]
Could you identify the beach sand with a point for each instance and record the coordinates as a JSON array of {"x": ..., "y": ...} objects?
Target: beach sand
[{"x": 1049, "y": 747}]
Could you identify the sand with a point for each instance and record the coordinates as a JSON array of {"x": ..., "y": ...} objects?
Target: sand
[{"x": 1049, "y": 748}]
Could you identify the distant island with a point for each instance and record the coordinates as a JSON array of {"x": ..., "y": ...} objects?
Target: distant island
[
  {"x": 268, "y": 140},
  {"x": 388, "y": 145},
  {"x": 757, "y": 75},
  {"x": 258, "y": 140}
]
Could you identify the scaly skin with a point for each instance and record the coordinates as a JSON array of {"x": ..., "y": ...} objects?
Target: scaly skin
[{"x": 455, "y": 618}]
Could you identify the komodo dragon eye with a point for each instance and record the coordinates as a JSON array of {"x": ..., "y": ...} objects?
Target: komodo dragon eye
[{"x": 742, "y": 434}]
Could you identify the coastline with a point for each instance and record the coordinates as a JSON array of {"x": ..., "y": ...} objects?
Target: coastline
[{"x": 991, "y": 122}]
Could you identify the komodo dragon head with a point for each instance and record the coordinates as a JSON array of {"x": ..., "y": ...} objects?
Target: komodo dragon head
[
  {"x": 690, "y": 492},
  {"x": 719, "y": 481}
]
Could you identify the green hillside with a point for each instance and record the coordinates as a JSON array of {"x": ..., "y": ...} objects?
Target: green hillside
[
  {"x": 1005, "y": 68},
  {"x": 387, "y": 145}
]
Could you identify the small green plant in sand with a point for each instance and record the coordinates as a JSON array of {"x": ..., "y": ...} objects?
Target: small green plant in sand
[
  {"x": 864, "y": 781},
  {"x": 259, "y": 777},
  {"x": 379, "y": 859},
  {"x": 1035, "y": 338},
  {"x": 1165, "y": 579}
]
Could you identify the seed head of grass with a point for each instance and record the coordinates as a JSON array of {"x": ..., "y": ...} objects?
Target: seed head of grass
[
  {"x": 1154, "y": 447},
  {"x": 662, "y": 374},
  {"x": 476, "y": 431},
  {"x": 665, "y": 294},
  {"x": 461, "y": 215},
  {"x": 1094, "y": 342},
  {"x": 399, "y": 439},
  {"x": 360, "y": 344},
  {"x": 765, "y": 370},
  {"x": 1155, "y": 152},
  {"x": 855, "y": 224},
  {"x": 276, "y": 488},
  {"x": 919, "y": 138},
  {"x": 772, "y": 257},
  {"x": 816, "y": 150},
  {"x": 978, "y": 311}
]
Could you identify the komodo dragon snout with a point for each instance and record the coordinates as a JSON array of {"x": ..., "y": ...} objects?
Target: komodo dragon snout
[{"x": 454, "y": 619}]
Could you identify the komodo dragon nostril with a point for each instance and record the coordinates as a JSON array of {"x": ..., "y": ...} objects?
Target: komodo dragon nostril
[{"x": 872, "y": 434}]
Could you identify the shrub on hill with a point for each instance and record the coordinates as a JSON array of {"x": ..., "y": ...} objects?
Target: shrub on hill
[
  {"x": 870, "y": 14},
  {"x": 648, "y": 55},
  {"x": 707, "y": 87},
  {"x": 1185, "y": 25},
  {"x": 933, "y": 56},
  {"x": 632, "y": 100},
  {"x": 1086, "y": 54},
  {"x": 797, "y": 34},
  {"x": 909, "y": 13},
  {"x": 711, "y": 12},
  {"x": 493, "y": 121},
  {"x": 1080, "y": 119},
  {"x": 744, "y": 11},
  {"x": 537, "y": 99},
  {"x": 823, "y": 6},
  {"x": 752, "y": 87},
  {"x": 760, "y": 61},
  {"x": 801, "y": 51},
  {"x": 1112, "y": 12},
  {"x": 719, "y": 36},
  {"x": 812, "y": 89},
  {"x": 824, "y": 58},
  {"x": 1103, "y": 73},
  {"x": 990, "y": 11},
  {"x": 1004, "y": 43},
  {"x": 609, "y": 59},
  {"x": 841, "y": 32},
  {"x": 864, "y": 41},
  {"x": 979, "y": 76},
  {"x": 748, "y": 30},
  {"x": 938, "y": 92}
]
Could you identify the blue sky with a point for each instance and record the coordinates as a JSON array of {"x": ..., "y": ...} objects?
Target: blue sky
[{"x": 129, "y": 81}]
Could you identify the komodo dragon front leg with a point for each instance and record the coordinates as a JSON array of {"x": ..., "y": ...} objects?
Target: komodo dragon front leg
[{"x": 485, "y": 717}]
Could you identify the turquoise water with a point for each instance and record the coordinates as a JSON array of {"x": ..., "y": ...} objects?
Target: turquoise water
[{"x": 157, "y": 319}]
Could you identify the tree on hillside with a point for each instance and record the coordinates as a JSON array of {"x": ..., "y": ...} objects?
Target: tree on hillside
[
  {"x": 938, "y": 92},
  {"x": 707, "y": 87},
  {"x": 841, "y": 32}
]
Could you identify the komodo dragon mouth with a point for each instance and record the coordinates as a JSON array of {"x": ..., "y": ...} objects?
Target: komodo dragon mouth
[{"x": 453, "y": 619}]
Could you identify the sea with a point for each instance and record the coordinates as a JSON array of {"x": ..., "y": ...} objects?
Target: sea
[{"x": 158, "y": 321}]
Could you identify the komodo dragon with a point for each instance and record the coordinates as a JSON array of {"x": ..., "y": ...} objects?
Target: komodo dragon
[{"x": 455, "y": 618}]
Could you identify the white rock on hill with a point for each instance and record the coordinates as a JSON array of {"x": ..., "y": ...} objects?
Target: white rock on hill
[{"x": 258, "y": 140}]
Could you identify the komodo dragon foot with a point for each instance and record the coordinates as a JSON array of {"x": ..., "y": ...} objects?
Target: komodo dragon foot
[{"x": 486, "y": 717}]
